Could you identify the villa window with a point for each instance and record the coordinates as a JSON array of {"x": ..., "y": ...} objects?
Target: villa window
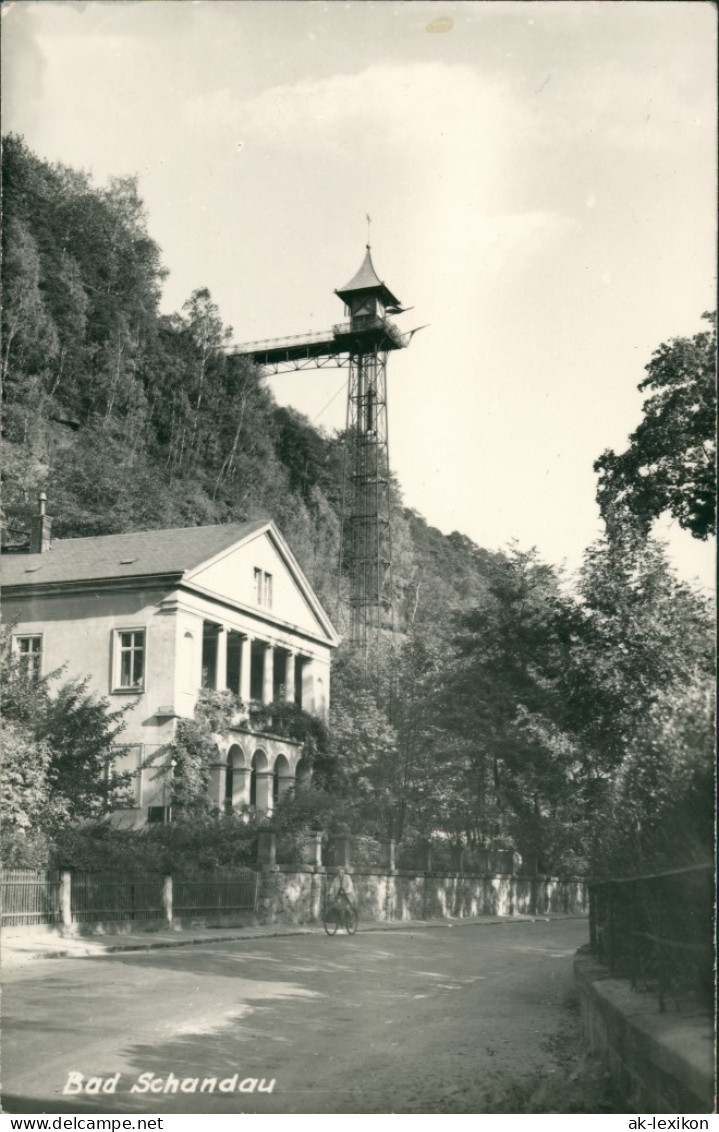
[
  {"x": 29, "y": 652},
  {"x": 129, "y": 660},
  {"x": 158, "y": 815},
  {"x": 263, "y": 588}
]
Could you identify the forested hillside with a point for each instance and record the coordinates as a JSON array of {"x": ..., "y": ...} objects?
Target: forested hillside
[
  {"x": 130, "y": 419},
  {"x": 574, "y": 725}
]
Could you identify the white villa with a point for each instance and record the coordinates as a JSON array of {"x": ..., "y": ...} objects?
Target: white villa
[{"x": 153, "y": 617}]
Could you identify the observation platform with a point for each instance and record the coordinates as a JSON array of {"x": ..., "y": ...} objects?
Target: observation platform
[{"x": 325, "y": 348}]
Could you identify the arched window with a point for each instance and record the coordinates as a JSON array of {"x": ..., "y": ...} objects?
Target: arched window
[
  {"x": 281, "y": 777},
  {"x": 235, "y": 761},
  {"x": 302, "y": 773},
  {"x": 258, "y": 782}
]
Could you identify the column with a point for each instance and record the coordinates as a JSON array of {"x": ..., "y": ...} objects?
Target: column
[
  {"x": 221, "y": 670},
  {"x": 216, "y": 785},
  {"x": 240, "y": 787},
  {"x": 245, "y": 669},
  {"x": 299, "y": 670},
  {"x": 267, "y": 674},
  {"x": 290, "y": 677},
  {"x": 263, "y": 804},
  {"x": 308, "y": 697}
]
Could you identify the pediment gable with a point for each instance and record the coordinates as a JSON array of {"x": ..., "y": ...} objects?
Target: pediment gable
[{"x": 261, "y": 575}]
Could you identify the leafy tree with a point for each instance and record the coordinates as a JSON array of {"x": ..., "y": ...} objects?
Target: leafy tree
[
  {"x": 670, "y": 464},
  {"x": 26, "y": 789},
  {"x": 645, "y": 632},
  {"x": 363, "y": 744},
  {"x": 58, "y": 744},
  {"x": 658, "y": 811},
  {"x": 310, "y": 458},
  {"x": 503, "y": 693},
  {"x": 29, "y": 333},
  {"x": 642, "y": 679},
  {"x": 290, "y": 721}
]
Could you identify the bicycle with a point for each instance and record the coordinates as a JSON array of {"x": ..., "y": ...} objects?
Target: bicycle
[{"x": 339, "y": 913}]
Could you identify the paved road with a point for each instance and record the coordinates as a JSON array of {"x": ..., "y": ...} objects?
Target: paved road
[{"x": 418, "y": 1021}]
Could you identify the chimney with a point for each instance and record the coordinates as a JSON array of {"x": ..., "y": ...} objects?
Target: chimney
[{"x": 40, "y": 528}]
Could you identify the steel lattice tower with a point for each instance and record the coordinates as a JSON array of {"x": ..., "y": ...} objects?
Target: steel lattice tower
[
  {"x": 366, "y": 535},
  {"x": 361, "y": 344}
]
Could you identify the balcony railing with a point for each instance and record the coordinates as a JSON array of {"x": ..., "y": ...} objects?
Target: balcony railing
[
  {"x": 369, "y": 322},
  {"x": 264, "y": 345},
  {"x": 315, "y": 339}
]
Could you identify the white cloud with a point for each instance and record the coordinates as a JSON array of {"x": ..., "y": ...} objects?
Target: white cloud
[{"x": 423, "y": 107}]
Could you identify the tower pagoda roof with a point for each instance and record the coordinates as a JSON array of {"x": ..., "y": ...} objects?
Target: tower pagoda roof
[{"x": 367, "y": 279}]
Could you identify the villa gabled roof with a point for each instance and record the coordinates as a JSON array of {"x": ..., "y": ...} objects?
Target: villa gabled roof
[
  {"x": 367, "y": 279},
  {"x": 136, "y": 554},
  {"x": 178, "y": 557}
]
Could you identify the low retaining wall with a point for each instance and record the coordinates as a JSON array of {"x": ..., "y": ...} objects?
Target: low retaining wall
[
  {"x": 658, "y": 1062},
  {"x": 297, "y": 897},
  {"x": 289, "y": 894}
]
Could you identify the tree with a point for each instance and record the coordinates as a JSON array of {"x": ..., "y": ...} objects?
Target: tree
[
  {"x": 26, "y": 789},
  {"x": 30, "y": 336},
  {"x": 670, "y": 464},
  {"x": 503, "y": 695},
  {"x": 659, "y": 810},
  {"x": 60, "y": 743},
  {"x": 208, "y": 335},
  {"x": 642, "y": 680},
  {"x": 645, "y": 633},
  {"x": 363, "y": 744}
]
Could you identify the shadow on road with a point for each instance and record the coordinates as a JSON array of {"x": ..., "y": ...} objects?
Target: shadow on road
[{"x": 428, "y": 1023}]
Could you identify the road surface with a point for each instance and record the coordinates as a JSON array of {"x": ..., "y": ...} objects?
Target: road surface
[{"x": 419, "y": 1021}]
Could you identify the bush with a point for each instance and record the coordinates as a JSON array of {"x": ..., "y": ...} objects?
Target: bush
[
  {"x": 24, "y": 849},
  {"x": 367, "y": 852},
  {"x": 206, "y": 843},
  {"x": 313, "y": 810},
  {"x": 293, "y": 847}
]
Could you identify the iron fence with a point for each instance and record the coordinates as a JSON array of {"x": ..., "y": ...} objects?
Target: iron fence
[
  {"x": 216, "y": 893},
  {"x": 657, "y": 930},
  {"x": 97, "y": 897},
  {"x": 30, "y": 896}
]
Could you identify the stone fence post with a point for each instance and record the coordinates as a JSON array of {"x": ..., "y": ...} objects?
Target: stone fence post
[
  {"x": 340, "y": 851},
  {"x": 389, "y": 850},
  {"x": 313, "y": 850},
  {"x": 266, "y": 847},
  {"x": 167, "y": 899},
  {"x": 66, "y": 898}
]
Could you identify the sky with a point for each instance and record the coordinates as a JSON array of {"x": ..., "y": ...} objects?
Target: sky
[{"x": 542, "y": 185}]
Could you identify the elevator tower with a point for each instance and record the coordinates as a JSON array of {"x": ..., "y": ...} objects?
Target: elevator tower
[{"x": 361, "y": 343}]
